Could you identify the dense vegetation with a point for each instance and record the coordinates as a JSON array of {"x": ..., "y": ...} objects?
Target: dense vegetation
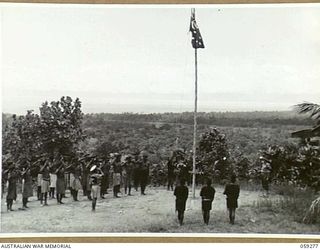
[
  {"x": 55, "y": 131},
  {"x": 61, "y": 127}
]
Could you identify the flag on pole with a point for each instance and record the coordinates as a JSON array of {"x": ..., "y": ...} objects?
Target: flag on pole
[{"x": 196, "y": 41}]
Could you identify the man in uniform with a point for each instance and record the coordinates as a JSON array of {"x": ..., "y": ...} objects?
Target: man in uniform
[
  {"x": 207, "y": 194},
  {"x": 181, "y": 193},
  {"x": 116, "y": 175},
  {"x": 53, "y": 183},
  {"x": 144, "y": 172},
  {"x": 232, "y": 191},
  {"x": 265, "y": 175},
  {"x": 61, "y": 186},
  {"x": 128, "y": 171},
  {"x": 95, "y": 176},
  {"x": 45, "y": 183},
  {"x": 136, "y": 171},
  {"x": 12, "y": 176},
  {"x": 75, "y": 183},
  {"x": 26, "y": 185},
  {"x": 104, "y": 166}
]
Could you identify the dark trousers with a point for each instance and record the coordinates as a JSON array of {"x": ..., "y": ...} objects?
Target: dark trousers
[
  {"x": 24, "y": 202},
  {"x": 39, "y": 193},
  {"x": 136, "y": 180},
  {"x": 170, "y": 182},
  {"x": 45, "y": 196},
  {"x": 143, "y": 184},
  {"x": 206, "y": 216},
  {"x": 127, "y": 184},
  {"x": 116, "y": 190},
  {"x": 9, "y": 204},
  {"x": 180, "y": 216},
  {"x": 232, "y": 215},
  {"x": 74, "y": 194},
  {"x": 94, "y": 203},
  {"x": 51, "y": 193},
  {"x": 88, "y": 192},
  {"x": 104, "y": 186},
  {"x": 127, "y": 188},
  {"x": 59, "y": 198},
  {"x": 84, "y": 189}
]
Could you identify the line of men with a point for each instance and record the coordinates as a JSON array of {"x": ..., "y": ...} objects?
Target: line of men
[
  {"x": 56, "y": 176},
  {"x": 207, "y": 193},
  {"x": 93, "y": 178}
]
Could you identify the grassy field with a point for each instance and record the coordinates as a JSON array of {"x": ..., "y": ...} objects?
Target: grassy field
[{"x": 155, "y": 213}]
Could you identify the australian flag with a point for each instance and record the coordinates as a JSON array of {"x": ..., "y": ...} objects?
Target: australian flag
[{"x": 196, "y": 41}]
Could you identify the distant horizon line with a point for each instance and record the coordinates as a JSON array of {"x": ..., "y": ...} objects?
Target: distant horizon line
[{"x": 172, "y": 112}]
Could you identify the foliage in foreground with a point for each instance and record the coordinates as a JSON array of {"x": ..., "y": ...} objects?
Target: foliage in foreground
[{"x": 56, "y": 131}]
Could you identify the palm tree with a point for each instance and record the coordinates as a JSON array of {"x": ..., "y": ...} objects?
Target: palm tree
[{"x": 313, "y": 110}]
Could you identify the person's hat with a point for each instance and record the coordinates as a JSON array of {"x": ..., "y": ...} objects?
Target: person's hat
[{"x": 93, "y": 168}]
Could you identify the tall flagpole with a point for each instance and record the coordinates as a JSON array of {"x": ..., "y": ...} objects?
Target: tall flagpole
[
  {"x": 196, "y": 42},
  {"x": 195, "y": 124},
  {"x": 195, "y": 121}
]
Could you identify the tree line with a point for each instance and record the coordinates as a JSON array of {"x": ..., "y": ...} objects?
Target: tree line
[{"x": 61, "y": 128}]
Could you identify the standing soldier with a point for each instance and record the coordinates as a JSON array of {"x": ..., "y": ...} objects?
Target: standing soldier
[
  {"x": 39, "y": 180},
  {"x": 128, "y": 169},
  {"x": 207, "y": 194},
  {"x": 86, "y": 180},
  {"x": 116, "y": 175},
  {"x": 144, "y": 172},
  {"x": 53, "y": 182},
  {"x": 75, "y": 183},
  {"x": 136, "y": 172},
  {"x": 26, "y": 186},
  {"x": 84, "y": 174},
  {"x": 88, "y": 183},
  {"x": 265, "y": 175},
  {"x": 181, "y": 193},
  {"x": 95, "y": 176},
  {"x": 61, "y": 186},
  {"x": 232, "y": 191},
  {"x": 104, "y": 178},
  {"x": 45, "y": 183},
  {"x": 12, "y": 186}
]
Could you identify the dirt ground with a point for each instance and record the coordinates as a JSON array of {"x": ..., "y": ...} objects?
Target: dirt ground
[{"x": 154, "y": 212}]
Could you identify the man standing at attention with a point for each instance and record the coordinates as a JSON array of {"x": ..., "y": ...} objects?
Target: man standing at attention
[
  {"x": 128, "y": 169},
  {"x": 207, "y": 194},
  {"x": 181, "y": 193},
  {"x": 144, "y": 172},
  {"x": 45, "y": 183},
  {"x": 232, "y": 191}
]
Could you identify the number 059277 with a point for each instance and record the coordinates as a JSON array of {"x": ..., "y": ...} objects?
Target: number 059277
[{"x": 309, "y": 246}]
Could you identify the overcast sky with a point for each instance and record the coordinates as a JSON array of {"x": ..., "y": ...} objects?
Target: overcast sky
[{"x": 140, "y": 59}]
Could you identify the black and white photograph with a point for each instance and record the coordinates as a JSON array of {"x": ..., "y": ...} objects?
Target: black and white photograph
[{"x": 161, "y": 119}]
